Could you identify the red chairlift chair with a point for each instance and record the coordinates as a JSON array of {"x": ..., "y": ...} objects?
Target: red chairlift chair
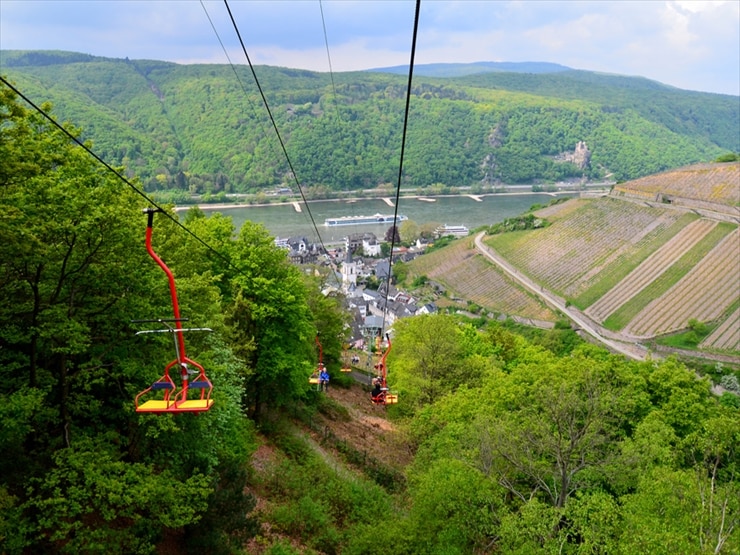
[
  {"x": 384, "y": 396},
  {"x": 173, "y": 400}
]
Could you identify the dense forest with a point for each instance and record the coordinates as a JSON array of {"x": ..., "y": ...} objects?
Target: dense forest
[
  {"x": 204, "y": 128},
  {"x": 519, "y": 444}
]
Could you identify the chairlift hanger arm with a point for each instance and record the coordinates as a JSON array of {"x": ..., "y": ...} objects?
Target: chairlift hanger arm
[
  {"x": 170, "y": 277},
  {"x": 321, "y": 349},
  {"x": 173, "y": 330},
  {"x": 174, "y": 401},
  {"x": 382, "y": 359},
  {"x": 163, "y": 320}
]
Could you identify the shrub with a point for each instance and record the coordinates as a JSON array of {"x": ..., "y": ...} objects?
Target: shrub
[{"x": 730, "y": 383}]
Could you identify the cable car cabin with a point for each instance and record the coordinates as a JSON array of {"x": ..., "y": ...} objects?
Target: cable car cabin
[{"x": 173, "y": 399}]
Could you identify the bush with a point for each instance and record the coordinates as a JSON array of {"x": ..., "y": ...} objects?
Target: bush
[
  {"x": 730, "y": 383},
  {"x": 729, "y": 157},
  {"x": 304, "y": 517},
  {"x": 700, "y": 328},
  {"x": 419, "y": 281},
  {"x": 282, "y": 547},
  {"x": 729, "y": 400}
]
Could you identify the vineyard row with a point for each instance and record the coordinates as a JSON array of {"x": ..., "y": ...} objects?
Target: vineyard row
[{"x": 654, "y": 266}]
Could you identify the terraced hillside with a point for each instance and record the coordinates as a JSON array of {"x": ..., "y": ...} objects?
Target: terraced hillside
[
  {"x": 704, "y": 293},
  {"x": 639, "y": 268},
  {"x": 583, "y": 255},
  {"x": 644, "y": 268},
  {"x": 712, "y": 186},
  {"x": 652, "y": 268},
  {"x": 465, "y": 273},
  {"x": 727, "y": 335}
]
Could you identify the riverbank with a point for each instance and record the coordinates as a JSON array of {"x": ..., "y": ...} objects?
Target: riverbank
[{"x": 422, "y": 198}]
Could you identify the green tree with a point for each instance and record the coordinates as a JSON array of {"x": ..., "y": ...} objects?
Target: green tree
[
  {"x": 409, "y": 231},
  {"x": 455, "y": 509},
  {"x": 558, "y": 436},
  {"x": 91, "y": 503},
  {"x": 425, "y": 362},
  {"x": 70, "y": 249},
  {"x": 271, "y": 309},
  {"x": 82, "y": 472},
  {"x": 330, "y": 318}
]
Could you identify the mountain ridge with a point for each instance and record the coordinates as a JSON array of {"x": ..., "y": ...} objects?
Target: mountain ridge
[
  {"x": 455, "y": 69},
  {"x": 195, "y": 129}
]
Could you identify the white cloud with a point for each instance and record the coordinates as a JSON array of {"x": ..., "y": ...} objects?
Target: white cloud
[
  {"x": 689, "y": 44},
  {"x": 696, "y": 6}
]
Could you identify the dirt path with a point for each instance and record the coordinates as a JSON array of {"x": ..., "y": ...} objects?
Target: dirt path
[{"x": 367, "y": 430}]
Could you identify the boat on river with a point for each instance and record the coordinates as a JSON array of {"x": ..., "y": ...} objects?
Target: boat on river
[
  {"x": 454, "y": 230},
  {"x": 377, "y": 219}
]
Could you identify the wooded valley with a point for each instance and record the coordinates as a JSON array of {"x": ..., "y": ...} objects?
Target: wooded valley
[
  {"x": 504, "y": 440},
  {"x": 204, "y": 129}
]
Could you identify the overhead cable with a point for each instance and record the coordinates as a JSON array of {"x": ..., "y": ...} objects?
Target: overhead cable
[
  {"x": 233, "y": 68},
  {"x": 328, "y": 57},
  {"x": 277, "y": 132},
  {"x": 400, "y": 165},
  {"x": 117, "y": 173}
]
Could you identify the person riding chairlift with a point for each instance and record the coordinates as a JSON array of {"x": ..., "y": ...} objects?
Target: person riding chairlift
[
  {"x": 323, "y": 379},
  {"x": 377, "y": 389}
]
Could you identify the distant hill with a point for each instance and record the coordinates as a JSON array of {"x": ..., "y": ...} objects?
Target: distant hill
[
  {"x": 459, "y": 70},
  {"x": 643, "y": 262},
  {"x": 198, "y": 129}
]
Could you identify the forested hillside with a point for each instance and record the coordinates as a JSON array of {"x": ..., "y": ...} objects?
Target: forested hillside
[
  {"x": 204, "y": 128},
  {"x": 516, "y": 445}
]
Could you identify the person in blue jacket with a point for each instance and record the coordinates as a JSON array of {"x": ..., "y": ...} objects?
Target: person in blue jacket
[{"x": 323, "y": 379}]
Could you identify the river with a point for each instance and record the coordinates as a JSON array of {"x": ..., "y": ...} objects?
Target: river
[{"x": 283, "y": 220}]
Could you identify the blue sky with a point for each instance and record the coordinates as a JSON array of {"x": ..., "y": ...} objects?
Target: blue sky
[{"x": 690, "y": 44}]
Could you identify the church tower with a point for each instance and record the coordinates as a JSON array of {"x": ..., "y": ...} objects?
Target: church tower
[{"x": 349, "y": 272}]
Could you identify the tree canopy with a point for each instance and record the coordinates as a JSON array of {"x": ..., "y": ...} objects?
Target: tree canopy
[
  {"x": 517, "y": 447},
  {"x": 197, "y": 129},
  {"x": 81, "y": 471}
]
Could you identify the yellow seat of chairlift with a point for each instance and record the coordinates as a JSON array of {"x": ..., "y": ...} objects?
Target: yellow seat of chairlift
[
  {"x": 391, "y": 398},
  {"x": 194, "y": 404},
  {"x": 191, "y": 405},
  {"x": 313, "y": 380},
  {"x": 155, "y": 406},
  {"x": 346, "y": 369}
]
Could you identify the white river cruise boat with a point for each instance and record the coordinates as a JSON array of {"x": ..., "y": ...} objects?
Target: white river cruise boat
[
  {"x": 364, "y": 220},
  {"x": 454, "y": 230}
]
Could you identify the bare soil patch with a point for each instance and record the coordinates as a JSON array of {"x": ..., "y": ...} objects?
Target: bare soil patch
[{"x": 367, "y": 430}]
